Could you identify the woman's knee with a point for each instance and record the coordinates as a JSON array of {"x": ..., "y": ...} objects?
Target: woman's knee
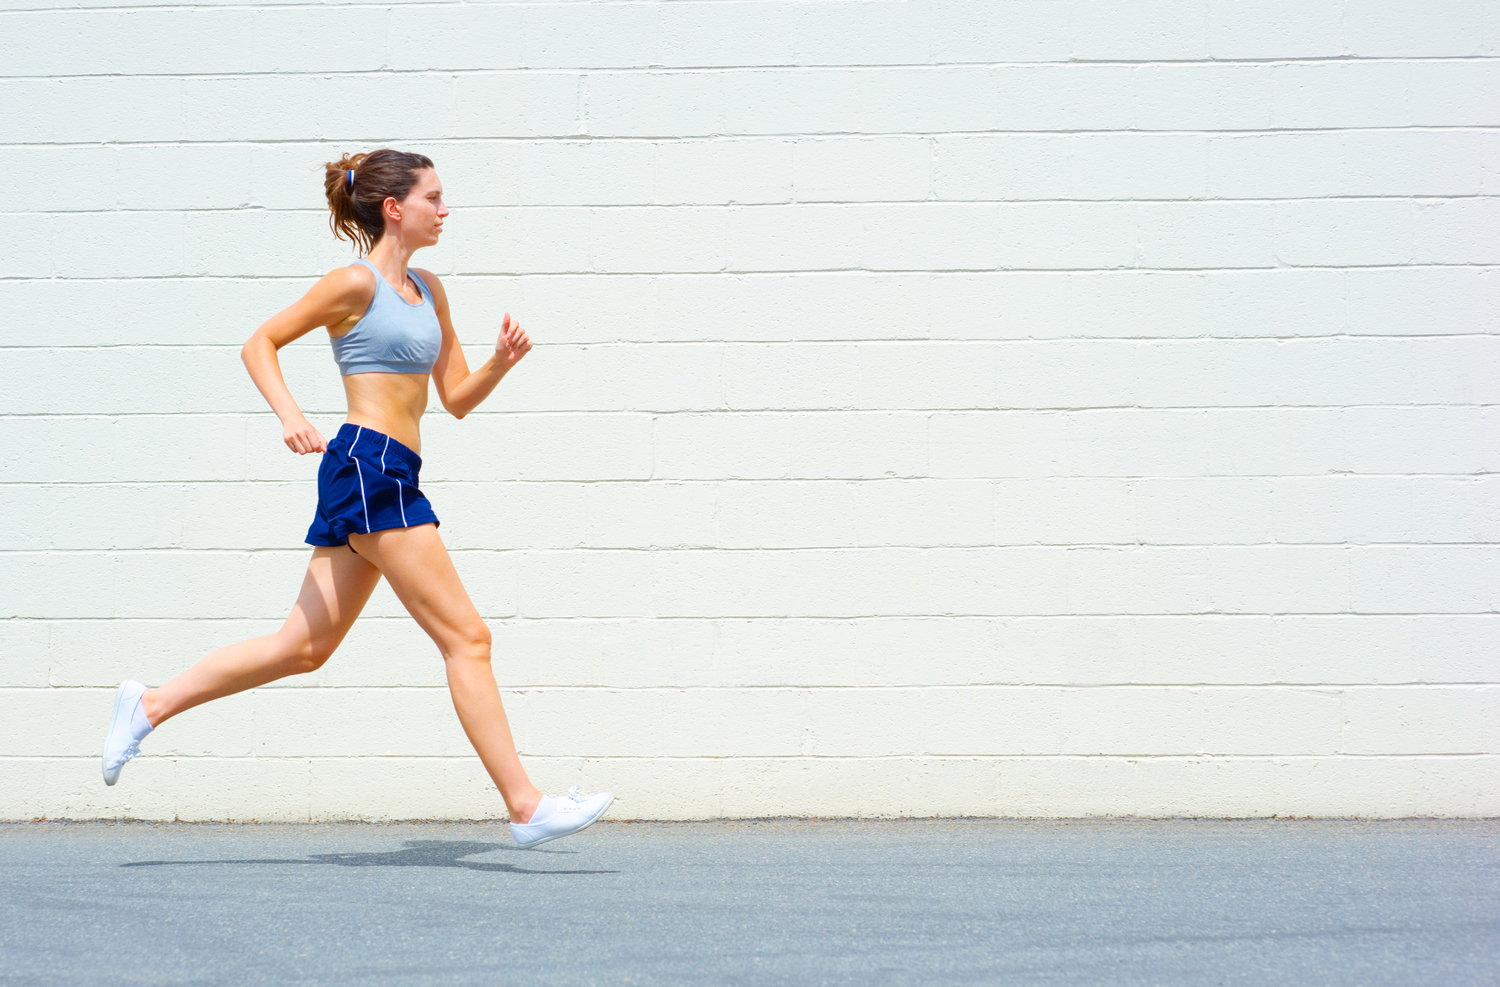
[
  {"x": 308, "y": 654},
  {"x": 470, "y": 642},
  {"x": 318, "y": 654}
]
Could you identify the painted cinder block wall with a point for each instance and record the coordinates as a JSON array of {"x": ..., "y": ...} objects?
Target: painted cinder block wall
[{"x": 960, "y": 408}]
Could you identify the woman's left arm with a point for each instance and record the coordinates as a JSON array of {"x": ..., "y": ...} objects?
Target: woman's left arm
[{"x": 460, "y": 389}]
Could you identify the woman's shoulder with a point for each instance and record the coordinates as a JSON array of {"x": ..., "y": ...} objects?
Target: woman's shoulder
[
  {"x": 339, "y": 294},
  {"x": 353, "y": 282},
  {"x": 433, "y": 284}
]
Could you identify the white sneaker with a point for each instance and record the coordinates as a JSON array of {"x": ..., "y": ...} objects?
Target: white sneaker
[
  {"x": 120, "y": 743},
  {"x": 564, "y": 816}
]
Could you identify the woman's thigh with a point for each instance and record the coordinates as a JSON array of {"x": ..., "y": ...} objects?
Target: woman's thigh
[
  {"x": 335, "y": 589},
  {"x": 416, "y": 564}
]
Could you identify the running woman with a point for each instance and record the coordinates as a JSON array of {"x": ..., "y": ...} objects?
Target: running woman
[{"x": 391, "y": 334}]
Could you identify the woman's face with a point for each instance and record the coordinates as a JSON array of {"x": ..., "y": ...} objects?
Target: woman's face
[{"x": 422, "y": 210}]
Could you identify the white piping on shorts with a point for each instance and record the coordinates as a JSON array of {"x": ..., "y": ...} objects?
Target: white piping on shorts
[
  {"x": 399, "y": 502},
  {"x": 363, "y": 503}
]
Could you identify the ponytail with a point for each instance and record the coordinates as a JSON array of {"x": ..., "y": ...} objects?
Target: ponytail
[{"x": 357, "y": 186}]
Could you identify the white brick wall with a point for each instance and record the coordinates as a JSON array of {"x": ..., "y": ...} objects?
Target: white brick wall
[{"x": 983, "y": 407}]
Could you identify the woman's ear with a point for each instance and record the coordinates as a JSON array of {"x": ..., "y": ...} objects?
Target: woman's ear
[{"x": 391, "y": 208}]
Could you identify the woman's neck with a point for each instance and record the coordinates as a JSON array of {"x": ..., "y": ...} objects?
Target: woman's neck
[{"x": 390, "y": 256}]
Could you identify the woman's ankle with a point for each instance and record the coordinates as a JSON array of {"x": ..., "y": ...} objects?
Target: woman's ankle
[
  {"x": 522, "y": 809},
  {"x": 152, "y": 707}
]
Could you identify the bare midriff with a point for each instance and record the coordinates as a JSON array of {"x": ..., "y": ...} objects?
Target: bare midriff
[{"x": 389, "y": 403}]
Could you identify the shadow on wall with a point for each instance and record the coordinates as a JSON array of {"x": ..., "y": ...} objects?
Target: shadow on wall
[{"x": 418, "y": 853}]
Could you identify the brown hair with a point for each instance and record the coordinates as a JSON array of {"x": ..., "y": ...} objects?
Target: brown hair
[{"x": 357, "y": 206}]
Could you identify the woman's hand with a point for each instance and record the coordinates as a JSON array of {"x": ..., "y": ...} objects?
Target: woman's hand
[
  {"x": 301, "y": 437},
  {"x": 512, "y": 344}
]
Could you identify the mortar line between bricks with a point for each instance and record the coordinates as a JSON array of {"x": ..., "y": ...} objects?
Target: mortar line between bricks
[
  {"x": 801, "y": 413},
  {"x": 1013, "y": 615},
  {"x": 523, "y": 620},
  {"x": 726, "y": 274},
  {"x": 704, "y": 549},
  {"x": 709, "y": 68},
  {"x": 798, "y": 412},
  {"x": 319, "y": 144},
  {"x": 708, "y": 481},
  {"x": 816, "y": 687},
  {"x": 610, "y": 621},
  {"x": 739, "y": 758},
  {"x": 731, "y": 273},
  {"x": 1111, "y": 546},
  {"x": 829, "y": 343},
  {"x": 803, "y": 205},
  {"x": 668, "y": 208},
  {"x": 1147, "y": 342}
]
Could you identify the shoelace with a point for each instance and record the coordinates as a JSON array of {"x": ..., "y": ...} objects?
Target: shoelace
[
  {"x": 574, "y": 795},
  {"x": 129, "y": 753}
]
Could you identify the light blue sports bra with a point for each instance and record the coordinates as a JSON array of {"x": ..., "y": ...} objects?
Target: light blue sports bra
[{"x": 393, "y": 336}]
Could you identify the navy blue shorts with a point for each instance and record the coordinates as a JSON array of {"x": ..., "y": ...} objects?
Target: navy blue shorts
[{"x": 366, "y": 482}]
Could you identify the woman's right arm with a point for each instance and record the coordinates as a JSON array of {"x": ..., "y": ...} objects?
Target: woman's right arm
[{"x": 338, "y": 295}]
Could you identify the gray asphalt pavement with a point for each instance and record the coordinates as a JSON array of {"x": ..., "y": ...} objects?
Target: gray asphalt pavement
[{"x": 780, "y": 902}]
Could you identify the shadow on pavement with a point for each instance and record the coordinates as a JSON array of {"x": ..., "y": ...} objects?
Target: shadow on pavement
[{"x": 418, "y": 853}]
